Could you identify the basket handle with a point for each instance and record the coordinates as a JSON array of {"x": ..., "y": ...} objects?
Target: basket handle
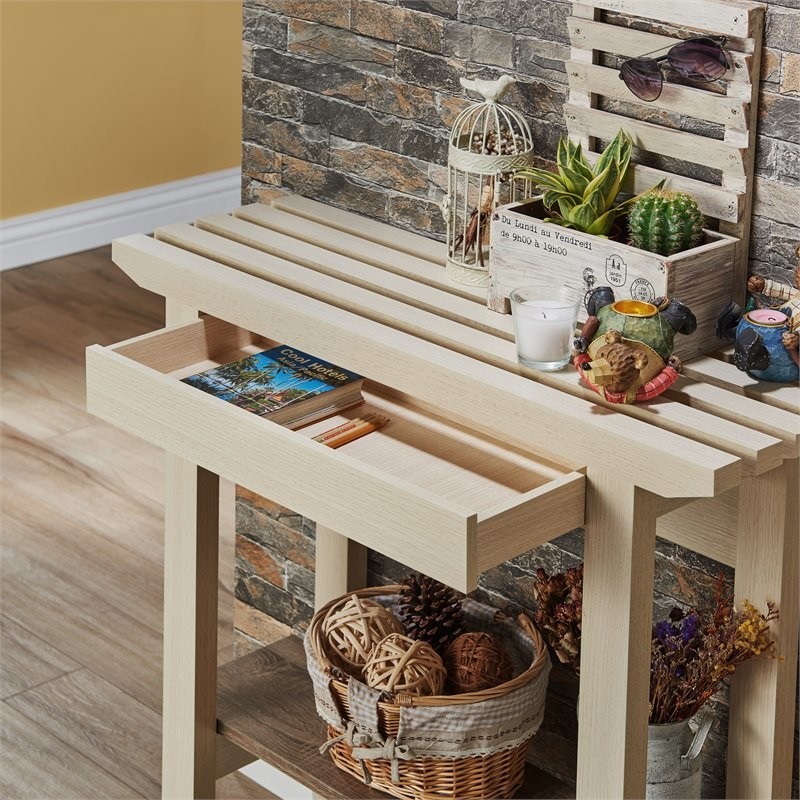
[{"x": 525, "y": 623}]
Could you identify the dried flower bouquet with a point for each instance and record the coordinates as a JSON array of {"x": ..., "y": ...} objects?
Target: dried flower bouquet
[
  {"x": 690, "y": 658},
  {"x": 560, "y": 610}
]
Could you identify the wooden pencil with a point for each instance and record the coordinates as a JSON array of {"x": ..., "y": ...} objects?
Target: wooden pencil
[
  {"x": 339, "y": 429},
  {"x": 351, "y": 430}
]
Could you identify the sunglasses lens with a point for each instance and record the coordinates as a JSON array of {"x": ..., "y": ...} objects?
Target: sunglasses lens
[
  {"x": 699, "y": 58},
  {"x": 643, "y": 77}
]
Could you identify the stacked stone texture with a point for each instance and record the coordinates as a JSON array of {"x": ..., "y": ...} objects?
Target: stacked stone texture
[{"x": 350, "y": 102}]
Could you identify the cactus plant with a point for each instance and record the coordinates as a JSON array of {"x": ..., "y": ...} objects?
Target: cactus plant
[
  {"x": 584, "y": 197},
  {"x": 665, "y": 222}
]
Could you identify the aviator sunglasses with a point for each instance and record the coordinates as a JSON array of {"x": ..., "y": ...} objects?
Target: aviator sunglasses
[{"x": 700, "y": 59}]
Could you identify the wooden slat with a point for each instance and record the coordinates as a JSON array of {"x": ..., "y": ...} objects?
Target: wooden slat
[
  {"x": 698, "y": 395},
  {"x": 731, "y": 17},
  {"x": 630, "y": 43},
  {"x": 318, "y": 257},
  {"x": 419, "y": 318},
  {"x": 353, "y": 246},
  {"x": 768, "y": 419},
  {"x": 737, "y": 109},
  {"x": 685, "y": 100},
  {"x": 714, "y": 201},
  {"x": 555, "y": 421},
  {"x": 366, "y": 228},
  {"x": 720, "y": 373},
  {"x": 416, "y": 294},
  {"x": 759, "y": 452},
  {"x": 657, "y": 139}
]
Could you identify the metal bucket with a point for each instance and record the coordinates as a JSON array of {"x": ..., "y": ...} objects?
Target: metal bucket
[{"x": 674, "y": 764}]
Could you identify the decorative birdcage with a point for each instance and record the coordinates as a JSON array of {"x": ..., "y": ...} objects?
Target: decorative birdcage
[{"x": 488, "y": 143}]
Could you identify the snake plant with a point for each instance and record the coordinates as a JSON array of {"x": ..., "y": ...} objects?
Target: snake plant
[{"x": 581, "y": 196}]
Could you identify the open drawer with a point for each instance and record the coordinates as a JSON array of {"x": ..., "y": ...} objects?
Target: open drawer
[{"x": 423, "y": 490}]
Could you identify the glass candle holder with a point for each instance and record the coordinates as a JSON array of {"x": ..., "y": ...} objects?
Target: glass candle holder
[{"x": 544, "y": 324}]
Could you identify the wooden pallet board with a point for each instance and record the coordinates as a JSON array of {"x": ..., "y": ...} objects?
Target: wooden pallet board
[{"x": 592, "y": 34}]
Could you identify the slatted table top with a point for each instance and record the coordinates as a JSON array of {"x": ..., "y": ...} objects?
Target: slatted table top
[{"x": 345, "y": 260}]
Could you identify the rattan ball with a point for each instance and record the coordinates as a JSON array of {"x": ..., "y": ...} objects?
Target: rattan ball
[
  {"x": 405, "y": 666},
  {"x": 476, "y": 661},
  {"x": 353, "y": 628}
]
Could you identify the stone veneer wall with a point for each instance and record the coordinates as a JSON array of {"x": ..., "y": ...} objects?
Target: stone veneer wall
[{"x": 349, "y": 102}]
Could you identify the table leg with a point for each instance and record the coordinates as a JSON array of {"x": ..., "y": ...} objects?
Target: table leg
[
  {"x": 615, "y": 642},
  {"x": 191, "y": 548},
  {"x": 191, "y": 556},
  {"x": 761, "y": 727},
  {"x": 340, "y": 563}
]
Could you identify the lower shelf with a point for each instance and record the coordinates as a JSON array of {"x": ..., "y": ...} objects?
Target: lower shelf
[{"x": 265, "y": 705}]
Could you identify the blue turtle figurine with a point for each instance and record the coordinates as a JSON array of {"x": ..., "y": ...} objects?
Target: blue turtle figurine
[
  {"x": 759, "y": 348},
  {"x": 766, "y": 339}
]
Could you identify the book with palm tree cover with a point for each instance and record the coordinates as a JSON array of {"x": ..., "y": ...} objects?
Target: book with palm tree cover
[{"x": 287, "y": 385}]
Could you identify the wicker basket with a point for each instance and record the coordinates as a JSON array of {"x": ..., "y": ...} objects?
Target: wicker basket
[{"x": 391, "y": 758}]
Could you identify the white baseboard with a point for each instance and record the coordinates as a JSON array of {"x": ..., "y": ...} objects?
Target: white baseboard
[
  {"x": 270, "y": 778},
  {"x": 82, "y": 226}
]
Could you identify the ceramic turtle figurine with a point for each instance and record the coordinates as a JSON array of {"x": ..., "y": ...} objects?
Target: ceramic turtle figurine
[{"x": 624, "y": 351}]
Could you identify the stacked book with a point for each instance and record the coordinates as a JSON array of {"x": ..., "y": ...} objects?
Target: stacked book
[{"x": 284, "y": 384}]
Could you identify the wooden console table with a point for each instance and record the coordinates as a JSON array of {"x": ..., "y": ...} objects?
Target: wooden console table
[{"x": 483, "y": 460}]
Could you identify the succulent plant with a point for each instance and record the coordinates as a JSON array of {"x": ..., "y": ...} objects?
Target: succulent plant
[
  {"x": 581, "y": 196},
  {"x": 665, "y": 222}
]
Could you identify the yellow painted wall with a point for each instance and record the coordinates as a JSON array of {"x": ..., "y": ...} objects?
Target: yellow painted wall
[{"x": 103, "y": 97}]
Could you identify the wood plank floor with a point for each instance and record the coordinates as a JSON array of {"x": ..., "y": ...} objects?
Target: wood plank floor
[{"x": 80, "y": 628}]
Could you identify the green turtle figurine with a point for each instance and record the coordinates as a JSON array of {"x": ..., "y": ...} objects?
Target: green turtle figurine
[{"x": 624, "y": 351}]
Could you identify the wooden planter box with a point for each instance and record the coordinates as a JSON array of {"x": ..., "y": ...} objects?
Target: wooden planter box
[{"x": 524, "y": 246}]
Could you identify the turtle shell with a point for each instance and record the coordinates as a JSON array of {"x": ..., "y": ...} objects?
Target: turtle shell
[{"x": 638, "y": 322}]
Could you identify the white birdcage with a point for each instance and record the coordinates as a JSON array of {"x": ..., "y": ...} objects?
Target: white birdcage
[{"x": 488, "y": 143}]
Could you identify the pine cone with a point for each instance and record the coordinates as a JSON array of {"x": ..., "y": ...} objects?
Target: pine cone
[{"x": 431, "y": 611}]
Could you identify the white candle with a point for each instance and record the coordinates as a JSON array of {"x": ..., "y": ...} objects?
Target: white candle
[{"x": 544, "y": 330}]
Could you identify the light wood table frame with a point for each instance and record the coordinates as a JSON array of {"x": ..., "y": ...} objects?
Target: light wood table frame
[{"x": 711, "y": 466}]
